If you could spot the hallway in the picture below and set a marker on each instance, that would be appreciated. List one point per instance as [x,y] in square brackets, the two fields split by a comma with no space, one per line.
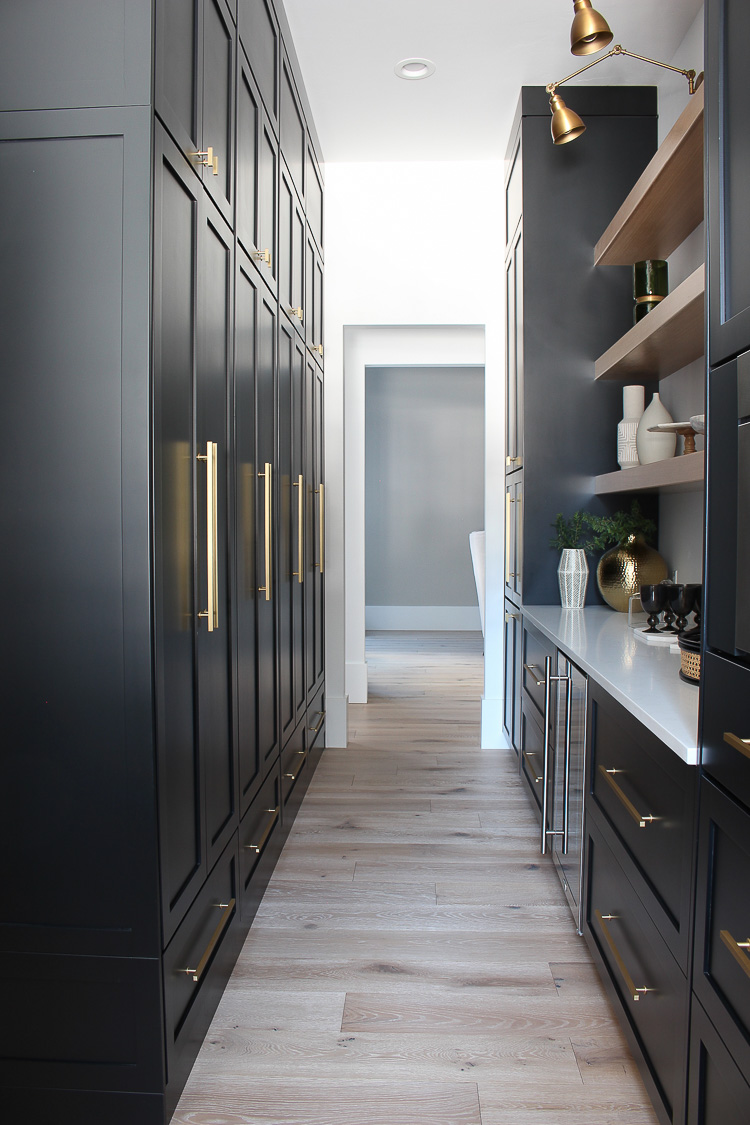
[414,960]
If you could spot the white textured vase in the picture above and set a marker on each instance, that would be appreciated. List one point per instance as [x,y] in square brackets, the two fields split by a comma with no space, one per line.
[632,409]
[654,447]
[572,574]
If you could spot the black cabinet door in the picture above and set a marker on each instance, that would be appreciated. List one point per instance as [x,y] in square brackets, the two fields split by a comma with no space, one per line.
[514,354]
[266,535]
[219,46]
[314,533]
[718,1088]
[728,150]
[245,469]
[314,300]
[314,197]
[257,173]
[259,35]
[512,699]
[291,253]
[292,127]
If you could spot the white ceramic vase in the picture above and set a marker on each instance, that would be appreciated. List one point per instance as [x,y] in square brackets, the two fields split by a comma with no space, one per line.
[632,409]
[572,574]
[654,447]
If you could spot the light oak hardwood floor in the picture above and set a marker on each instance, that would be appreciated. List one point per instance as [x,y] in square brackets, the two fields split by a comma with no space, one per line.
[414,961]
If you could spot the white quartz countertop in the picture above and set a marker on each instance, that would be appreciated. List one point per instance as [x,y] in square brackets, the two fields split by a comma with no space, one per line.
[643,678]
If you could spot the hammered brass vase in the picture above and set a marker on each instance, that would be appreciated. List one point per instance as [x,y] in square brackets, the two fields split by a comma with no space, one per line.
[623,569]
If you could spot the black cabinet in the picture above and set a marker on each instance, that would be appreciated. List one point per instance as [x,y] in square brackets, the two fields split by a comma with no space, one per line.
[257,177]
[291,253]
[259,33]
[728,203]
[512,696]
[719,1092]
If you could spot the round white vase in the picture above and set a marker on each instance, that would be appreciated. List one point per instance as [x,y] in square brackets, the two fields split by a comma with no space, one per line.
[632,409]
[654,447]
[572,574]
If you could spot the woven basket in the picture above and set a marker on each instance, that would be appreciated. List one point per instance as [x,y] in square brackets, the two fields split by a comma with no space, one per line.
[690,656]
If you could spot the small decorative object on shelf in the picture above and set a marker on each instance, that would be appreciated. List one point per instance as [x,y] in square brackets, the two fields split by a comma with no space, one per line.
[650,286]
[653,600]
[632,406]
[690,655]
[654,446]
[630,563]
[684,429]
[573,571]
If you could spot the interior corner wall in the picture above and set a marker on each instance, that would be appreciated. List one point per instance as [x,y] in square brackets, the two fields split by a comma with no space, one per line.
[418,245]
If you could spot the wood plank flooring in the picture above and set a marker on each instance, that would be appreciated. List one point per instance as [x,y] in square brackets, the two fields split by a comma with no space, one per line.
[413,961]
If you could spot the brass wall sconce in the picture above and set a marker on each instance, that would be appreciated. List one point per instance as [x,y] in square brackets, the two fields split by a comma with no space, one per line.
[590,33]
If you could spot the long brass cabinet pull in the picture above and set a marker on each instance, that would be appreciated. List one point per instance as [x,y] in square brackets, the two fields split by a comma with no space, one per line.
[314,730]
[737,743]
[299,484]
[641,819]
[227,909]
[531,669]
[212,534]
[294,776]
[602,919]
[258,848]
[738,950]
[267,474]
[537,776]
[320,492]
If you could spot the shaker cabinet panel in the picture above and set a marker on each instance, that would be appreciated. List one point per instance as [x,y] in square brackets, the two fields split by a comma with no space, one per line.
[291,254]
[292,130]
[219,46]
[514,356]
[718,1089]
[315,532]
[512,696]
[266,534]
[257,178]
[725,754]
[259,35]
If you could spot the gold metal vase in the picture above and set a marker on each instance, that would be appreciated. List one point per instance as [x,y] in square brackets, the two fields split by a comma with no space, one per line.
[623,569]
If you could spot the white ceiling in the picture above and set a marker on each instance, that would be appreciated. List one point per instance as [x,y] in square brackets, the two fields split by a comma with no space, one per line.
[484,51]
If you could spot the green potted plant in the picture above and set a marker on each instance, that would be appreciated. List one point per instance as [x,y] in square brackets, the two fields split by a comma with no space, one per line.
[573,572]
[628,561]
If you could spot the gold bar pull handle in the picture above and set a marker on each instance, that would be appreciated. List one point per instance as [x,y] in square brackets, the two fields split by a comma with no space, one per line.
[268,494]
[258,848]
[212,534]
[737,743]
[635,992]
[737,949]
[531,669]
[299,484]
[641,819]
[293,776]
[227,909]
[535,774]
[320,492]
[314,730]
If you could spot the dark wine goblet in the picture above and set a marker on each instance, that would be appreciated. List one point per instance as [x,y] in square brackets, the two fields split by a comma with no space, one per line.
[683,600]
[653,600]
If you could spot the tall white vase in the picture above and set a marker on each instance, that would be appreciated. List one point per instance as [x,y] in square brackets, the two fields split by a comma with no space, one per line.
[572,574]
[654,447]
[632,409]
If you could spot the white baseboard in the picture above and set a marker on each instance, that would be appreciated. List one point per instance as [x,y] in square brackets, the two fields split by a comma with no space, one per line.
[493,737]
[356,682]
[427,618]
[337,731]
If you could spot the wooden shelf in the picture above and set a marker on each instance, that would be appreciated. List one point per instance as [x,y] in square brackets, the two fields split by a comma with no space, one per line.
[676,474]
[666,340]
[666,203]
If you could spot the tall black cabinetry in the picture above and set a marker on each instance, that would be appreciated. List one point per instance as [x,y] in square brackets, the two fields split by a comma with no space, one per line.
[560,316]
[157,406]
[719,1089]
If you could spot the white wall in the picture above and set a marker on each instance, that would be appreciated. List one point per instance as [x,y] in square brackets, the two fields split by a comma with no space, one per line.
[421,245]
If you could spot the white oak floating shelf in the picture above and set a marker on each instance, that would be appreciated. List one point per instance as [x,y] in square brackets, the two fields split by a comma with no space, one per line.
[675,474]
[669,338]
[666,203]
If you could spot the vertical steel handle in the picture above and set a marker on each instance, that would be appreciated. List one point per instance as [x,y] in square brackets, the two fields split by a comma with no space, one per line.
[545,767]
[299,484]
[566,782]
[268,495]
[212,534]
[321,525]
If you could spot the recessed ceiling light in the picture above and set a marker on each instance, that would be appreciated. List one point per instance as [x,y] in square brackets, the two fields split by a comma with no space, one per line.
[414,69]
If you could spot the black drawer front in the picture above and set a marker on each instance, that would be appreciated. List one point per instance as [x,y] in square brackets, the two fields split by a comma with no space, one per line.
[316,720]
[719,1095]
[259,825]
[536,649]
[648,981]
[293,761]
[532,752]
[647,795]
[726,725]
[722,931]
[197,963]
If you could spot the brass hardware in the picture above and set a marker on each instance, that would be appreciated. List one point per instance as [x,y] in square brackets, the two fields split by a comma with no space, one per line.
[314,730]
[258,848]
[299,313]
[737,743]
[294,776]
[268,496]
[208,160]
[320,491]
[227,908]
[530,669]
[512,460]
[263,256]
[641,819]
[737,949]
[212,534]
[636,993]
[511,617]
[649,299]
[528,755]
[316,348]
[299,485]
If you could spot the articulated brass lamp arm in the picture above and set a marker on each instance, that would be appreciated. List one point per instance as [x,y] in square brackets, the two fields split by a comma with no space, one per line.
[693,83]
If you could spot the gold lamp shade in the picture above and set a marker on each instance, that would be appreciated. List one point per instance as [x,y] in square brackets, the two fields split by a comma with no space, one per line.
[566,125]
[590,31]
